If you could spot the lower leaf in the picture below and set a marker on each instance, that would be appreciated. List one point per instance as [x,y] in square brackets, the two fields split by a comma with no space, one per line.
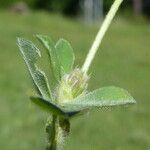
[106,96]
[52,108]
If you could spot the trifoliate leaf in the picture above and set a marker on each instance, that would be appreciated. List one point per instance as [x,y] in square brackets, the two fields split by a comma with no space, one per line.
[106,96]
[65,56]
[31,54]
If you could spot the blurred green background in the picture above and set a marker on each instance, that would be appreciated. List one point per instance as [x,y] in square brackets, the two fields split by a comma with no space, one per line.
[123,60]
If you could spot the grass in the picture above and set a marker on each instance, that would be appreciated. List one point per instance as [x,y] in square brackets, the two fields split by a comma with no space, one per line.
[124,60]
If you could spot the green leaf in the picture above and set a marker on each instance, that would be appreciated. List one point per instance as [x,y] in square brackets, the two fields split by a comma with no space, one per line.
[65,56]
[48,106]
[106,96]
[52,108]
[50,46]
[31,54]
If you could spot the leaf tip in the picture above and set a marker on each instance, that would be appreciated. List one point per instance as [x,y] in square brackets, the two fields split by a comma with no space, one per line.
[18,40]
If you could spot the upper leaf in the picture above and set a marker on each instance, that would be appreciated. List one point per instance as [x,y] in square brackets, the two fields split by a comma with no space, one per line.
[31,54]
[106,96]
[61,55]
[65,56]
[50,46]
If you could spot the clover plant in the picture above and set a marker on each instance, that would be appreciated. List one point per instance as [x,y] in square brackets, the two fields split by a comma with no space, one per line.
[69,97]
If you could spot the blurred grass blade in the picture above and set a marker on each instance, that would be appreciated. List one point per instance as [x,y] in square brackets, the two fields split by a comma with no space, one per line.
[106,96]
[31,54]
[52,108]
[65,56]
[50,46]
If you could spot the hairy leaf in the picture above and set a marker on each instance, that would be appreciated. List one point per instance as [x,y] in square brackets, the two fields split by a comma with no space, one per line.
[31,54]
[106,96]
[50,46]
[48,106]
[65,56]
[52,108]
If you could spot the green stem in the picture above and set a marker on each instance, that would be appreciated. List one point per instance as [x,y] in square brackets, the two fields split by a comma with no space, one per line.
[54,132]
[100,35]
[57,130]
[51,129]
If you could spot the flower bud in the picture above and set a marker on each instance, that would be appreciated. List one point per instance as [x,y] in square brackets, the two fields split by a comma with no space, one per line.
[72,85]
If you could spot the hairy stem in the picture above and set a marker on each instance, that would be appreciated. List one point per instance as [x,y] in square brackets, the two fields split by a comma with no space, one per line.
[51,129]
[100,35]
[57,131]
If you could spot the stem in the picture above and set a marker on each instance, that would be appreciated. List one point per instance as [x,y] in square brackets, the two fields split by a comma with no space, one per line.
[51,129]
[54,130]
[100,35]
[57,130]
